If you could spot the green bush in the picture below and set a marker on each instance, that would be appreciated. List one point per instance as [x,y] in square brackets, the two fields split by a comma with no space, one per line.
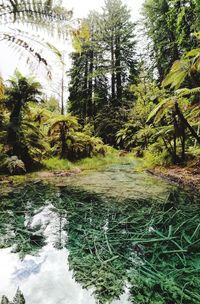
[138,152]
[55,163]
[13,165]
[155,155]
[81,145]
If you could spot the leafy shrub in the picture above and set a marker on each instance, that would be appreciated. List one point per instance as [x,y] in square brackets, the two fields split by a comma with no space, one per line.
[81,145]
[138,152]
[156,155]
[15,165]
[3,157]
[194,151]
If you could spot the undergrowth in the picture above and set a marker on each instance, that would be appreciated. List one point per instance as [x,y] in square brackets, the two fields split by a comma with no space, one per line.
[89,163]
[54,163]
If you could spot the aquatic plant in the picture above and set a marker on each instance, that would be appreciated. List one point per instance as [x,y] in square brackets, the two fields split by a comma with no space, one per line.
[153,244]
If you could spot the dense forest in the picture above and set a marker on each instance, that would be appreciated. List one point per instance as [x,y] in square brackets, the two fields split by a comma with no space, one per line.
[140,96]
[100,159]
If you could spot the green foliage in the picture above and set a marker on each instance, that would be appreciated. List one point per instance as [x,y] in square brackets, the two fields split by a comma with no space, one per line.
[153,252]
[55,163]
[187,66]
[170,24]
[97,162]
[20,92]
[151,243]
[19,298]
[15,165]
[156,155]
[31,132]
[103,69]
[81,145]
[112,104]
[136,132]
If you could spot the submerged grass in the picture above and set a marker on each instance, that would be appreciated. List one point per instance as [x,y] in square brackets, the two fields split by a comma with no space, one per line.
[154,245]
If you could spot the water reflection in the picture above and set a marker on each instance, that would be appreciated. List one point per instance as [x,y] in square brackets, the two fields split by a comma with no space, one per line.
[70,238]
[44,278]
[51,283]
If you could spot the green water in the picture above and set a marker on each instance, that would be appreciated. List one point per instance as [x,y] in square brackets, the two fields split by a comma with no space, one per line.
[113,236]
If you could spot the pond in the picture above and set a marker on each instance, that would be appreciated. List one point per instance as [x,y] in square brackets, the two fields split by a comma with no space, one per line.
[112,236]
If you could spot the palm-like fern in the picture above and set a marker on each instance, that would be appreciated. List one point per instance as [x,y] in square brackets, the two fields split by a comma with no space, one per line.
[60,128]
[187,66]
[35,15]
[20,92]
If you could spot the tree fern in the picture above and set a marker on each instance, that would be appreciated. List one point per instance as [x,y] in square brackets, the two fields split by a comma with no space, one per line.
[185,67]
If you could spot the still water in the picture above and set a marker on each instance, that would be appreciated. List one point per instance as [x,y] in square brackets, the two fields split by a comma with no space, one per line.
[113,236]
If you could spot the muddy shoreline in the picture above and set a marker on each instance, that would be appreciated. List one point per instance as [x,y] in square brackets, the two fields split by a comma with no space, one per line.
[182,176]
[185,177]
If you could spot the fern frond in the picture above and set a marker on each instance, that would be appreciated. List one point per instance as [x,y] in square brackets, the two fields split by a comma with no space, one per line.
[187,92]
[180,69]
[159,109]
[18,43]
[56,52]
[32,11]
[193,53]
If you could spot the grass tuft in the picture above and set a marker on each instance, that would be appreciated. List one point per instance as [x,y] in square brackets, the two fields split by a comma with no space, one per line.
[55,163]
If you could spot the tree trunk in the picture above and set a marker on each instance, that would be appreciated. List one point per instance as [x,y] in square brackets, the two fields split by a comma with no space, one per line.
[14,125]
[63,153]
[186,123]
[90,85]
[183,143]
[18,148]
[175,137]
[166,146]
[85,111]
[118,71]
[113,73]
[62,94]
[198,132]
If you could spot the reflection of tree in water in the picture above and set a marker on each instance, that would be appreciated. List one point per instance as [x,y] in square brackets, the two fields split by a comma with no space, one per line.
[60,236]
[15,208]
[16,213]
[18,299]
[152,245]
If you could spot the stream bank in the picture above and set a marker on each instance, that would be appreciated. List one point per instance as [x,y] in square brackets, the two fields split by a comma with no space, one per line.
[186,177]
